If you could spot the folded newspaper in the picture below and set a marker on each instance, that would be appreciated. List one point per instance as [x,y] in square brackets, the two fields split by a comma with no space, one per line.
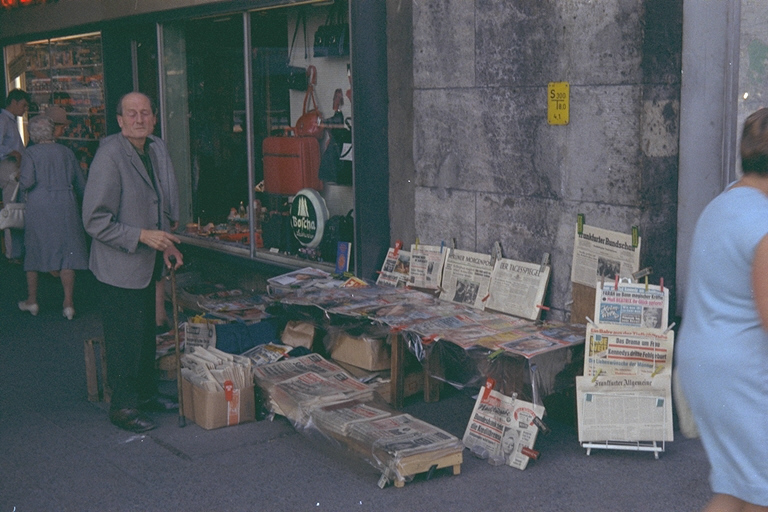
[503,429]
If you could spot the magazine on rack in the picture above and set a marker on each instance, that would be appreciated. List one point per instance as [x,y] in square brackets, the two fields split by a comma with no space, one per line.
[624,409]
[631,305]
[517,288]
[502,428]
[627,351]
[599,254]
[394,271]
[466,278]
[426,266]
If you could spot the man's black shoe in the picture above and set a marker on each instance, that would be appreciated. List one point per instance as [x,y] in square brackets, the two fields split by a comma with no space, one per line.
[158,404]
[131,420]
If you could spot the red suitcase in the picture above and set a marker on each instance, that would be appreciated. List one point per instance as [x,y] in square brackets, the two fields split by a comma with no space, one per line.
[291,164]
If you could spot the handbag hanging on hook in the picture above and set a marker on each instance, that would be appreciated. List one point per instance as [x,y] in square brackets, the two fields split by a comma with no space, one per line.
[332,38]
[297,75]
[310,122]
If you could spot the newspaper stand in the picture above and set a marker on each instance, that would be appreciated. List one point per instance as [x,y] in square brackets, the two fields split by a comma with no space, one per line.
[614,340]
[656,447]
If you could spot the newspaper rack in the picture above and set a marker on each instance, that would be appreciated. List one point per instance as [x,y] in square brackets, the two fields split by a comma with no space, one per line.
[655,447]
[636,446]
[624,398]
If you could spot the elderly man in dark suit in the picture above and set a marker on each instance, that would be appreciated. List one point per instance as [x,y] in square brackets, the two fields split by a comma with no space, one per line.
[125,211]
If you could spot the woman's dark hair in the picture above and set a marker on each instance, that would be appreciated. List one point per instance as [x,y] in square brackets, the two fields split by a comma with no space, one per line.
[754,143]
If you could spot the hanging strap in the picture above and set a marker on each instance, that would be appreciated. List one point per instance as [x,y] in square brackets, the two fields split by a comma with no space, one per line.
[310,94]
[301,18]
[15,193]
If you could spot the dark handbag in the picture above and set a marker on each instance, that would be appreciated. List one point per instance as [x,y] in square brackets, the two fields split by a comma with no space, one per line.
[332,38]
[297,75]
[311,120]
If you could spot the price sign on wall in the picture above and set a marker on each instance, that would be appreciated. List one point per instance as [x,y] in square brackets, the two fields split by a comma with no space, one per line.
[558,102]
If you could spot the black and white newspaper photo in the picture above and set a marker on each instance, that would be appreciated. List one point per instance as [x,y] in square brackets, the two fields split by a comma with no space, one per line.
[602,255]
[627,351]
[502,428]
[395,269]
[466,278]
[624,409]
[426,266]
[517,288]
[632,305]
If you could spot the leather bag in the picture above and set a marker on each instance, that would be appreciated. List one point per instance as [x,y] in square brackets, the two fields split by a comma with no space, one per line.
[12,214]
[332,38]
[297,75]
[311,120]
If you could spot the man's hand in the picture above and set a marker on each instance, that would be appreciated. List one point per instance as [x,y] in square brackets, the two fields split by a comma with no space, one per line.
[173,252]
[158,240]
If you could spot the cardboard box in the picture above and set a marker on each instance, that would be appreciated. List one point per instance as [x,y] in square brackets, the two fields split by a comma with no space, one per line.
[187,400]
[412,383]
[364,352]
[210,409]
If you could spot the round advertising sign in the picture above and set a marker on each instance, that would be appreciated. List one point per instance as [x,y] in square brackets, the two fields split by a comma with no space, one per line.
[308,217]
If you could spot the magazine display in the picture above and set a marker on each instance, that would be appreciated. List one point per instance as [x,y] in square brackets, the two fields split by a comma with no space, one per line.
[632,305]
[627,351]
[502,429]
[466,278]
[624,409]
[394,271]
[599,254]
[426,267]
[302,279]
[517,288]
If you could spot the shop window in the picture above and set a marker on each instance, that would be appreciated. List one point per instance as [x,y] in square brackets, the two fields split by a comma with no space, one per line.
[229,117]
[67,72]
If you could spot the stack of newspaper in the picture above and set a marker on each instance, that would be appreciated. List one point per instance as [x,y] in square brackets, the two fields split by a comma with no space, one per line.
[210,368]
[402,445]
[318,395]
[291,387]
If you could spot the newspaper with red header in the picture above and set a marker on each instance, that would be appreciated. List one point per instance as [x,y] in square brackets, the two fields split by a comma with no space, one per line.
[503,429]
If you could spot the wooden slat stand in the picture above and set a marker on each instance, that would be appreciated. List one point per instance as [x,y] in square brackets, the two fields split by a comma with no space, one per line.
[95,392]
[408,468]
[583,303]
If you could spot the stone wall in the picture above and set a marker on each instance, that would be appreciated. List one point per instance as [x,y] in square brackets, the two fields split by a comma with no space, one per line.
[485,164]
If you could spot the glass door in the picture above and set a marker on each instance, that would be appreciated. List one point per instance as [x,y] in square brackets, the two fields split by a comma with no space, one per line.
[67,72]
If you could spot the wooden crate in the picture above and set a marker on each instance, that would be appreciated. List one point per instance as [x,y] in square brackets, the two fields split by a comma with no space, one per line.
[96,393]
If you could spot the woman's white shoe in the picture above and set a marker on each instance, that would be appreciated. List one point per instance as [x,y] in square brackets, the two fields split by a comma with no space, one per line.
[69,313]
[34,309]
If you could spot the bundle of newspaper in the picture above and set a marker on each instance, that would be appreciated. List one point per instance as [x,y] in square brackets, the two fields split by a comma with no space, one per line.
[337,418]
[400,443]
[297,396]
[292,386]
[209,368]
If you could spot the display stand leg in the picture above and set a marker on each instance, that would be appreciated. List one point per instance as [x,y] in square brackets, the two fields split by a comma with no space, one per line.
[634,446]
[433,367]
[397,374]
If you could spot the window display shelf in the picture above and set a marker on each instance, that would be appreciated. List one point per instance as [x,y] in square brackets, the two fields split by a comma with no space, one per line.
[68,72]
[262,255]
